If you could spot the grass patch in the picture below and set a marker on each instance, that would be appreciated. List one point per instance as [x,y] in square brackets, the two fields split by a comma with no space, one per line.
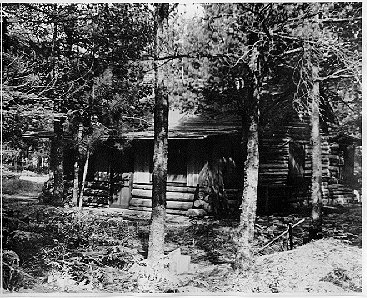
[17,186]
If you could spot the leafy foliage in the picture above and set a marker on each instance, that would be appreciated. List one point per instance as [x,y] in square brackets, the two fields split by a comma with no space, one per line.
[80,59]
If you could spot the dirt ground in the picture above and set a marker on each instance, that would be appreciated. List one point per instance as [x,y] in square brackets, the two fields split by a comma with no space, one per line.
[102,251]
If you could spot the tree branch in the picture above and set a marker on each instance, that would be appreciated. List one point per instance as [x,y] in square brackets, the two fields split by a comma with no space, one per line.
[337,75]
[297,50]
[334,77]
[331,20]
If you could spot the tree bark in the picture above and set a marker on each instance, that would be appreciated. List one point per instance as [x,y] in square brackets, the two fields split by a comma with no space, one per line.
[316,195]
[245,232]
[57,158]
[85,171]
[157,227]
[76,165]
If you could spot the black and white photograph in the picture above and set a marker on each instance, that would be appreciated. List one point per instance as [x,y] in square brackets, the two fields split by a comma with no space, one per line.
[181,148]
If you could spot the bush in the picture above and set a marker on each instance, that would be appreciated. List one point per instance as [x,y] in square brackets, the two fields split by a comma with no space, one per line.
[25,244]
[13,276]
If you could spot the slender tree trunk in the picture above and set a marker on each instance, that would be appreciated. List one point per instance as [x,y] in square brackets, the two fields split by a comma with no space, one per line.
[57,154]
[54,38]
[75,183]
[76,165]
[316,227]
[85,171]
[157,227]
[244,257]
[57,158]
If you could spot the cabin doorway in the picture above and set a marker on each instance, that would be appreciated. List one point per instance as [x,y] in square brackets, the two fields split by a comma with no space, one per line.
[121,190]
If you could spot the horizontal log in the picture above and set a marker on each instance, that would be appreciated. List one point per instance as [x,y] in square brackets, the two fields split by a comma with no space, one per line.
[233,203]
[168,211]
[266,156]
[140,202]
[273,171]
[308,172]
[336,185]
[338,191]
[282,174]
[189,189]
[170,196]
[274,165]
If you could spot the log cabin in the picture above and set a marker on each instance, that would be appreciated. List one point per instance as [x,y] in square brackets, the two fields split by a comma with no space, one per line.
[205,168]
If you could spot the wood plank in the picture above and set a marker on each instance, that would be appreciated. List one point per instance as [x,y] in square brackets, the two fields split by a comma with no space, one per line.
[140,202]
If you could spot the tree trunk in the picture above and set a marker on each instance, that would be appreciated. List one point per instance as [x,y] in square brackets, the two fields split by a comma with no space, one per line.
[245,232]
[57,154]
[75,183]
[157,227]
[76,166]
[316,226]
[57,157]
[85,171]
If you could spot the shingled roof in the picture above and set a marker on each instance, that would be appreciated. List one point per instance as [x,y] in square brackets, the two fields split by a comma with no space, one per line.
[184,126]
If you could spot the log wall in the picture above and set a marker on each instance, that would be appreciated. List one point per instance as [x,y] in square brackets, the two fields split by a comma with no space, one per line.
[275,188]
[179,198]
[274,157]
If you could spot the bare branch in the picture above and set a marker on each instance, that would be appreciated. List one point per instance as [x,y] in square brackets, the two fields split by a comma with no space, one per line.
[334,77]
[331,20]
[297,50]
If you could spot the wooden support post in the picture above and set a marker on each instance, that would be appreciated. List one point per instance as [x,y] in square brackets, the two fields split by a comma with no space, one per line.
[290,236]
[111,184]
[267,200]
